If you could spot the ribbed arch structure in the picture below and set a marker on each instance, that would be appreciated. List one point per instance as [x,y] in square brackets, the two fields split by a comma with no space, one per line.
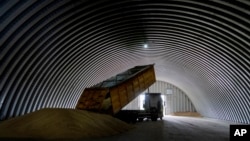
[174,101]
[51,50]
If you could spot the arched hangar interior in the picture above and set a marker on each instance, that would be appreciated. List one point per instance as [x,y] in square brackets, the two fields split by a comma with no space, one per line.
[51,50]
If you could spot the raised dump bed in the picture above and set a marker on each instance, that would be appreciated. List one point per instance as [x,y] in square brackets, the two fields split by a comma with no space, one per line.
[111,95]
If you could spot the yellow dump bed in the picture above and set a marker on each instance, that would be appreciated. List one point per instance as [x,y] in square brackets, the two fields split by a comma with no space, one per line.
[111,95]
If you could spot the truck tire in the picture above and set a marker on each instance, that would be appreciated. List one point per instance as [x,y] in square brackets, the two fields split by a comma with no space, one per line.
[161,117]
[154,118]
[140,119]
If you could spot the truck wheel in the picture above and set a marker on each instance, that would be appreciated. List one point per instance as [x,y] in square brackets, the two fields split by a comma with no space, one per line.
[140,119]
[133,120]
[154,119]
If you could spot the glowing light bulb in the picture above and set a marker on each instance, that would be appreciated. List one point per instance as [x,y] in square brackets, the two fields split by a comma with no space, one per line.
[145,45]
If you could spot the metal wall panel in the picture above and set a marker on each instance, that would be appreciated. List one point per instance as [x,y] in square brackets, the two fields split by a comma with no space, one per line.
[178,101]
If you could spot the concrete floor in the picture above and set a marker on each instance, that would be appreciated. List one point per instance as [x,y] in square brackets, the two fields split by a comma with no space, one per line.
[173,128]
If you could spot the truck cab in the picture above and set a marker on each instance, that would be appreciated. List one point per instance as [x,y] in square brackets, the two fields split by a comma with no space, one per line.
[153,105]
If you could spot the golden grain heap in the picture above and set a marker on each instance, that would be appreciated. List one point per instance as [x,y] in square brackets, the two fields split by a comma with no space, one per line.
[62,123]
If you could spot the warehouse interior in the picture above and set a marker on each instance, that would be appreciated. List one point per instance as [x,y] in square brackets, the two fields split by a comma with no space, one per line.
[52,50]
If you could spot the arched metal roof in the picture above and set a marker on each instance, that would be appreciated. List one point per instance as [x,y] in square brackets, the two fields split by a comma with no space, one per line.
[51,50]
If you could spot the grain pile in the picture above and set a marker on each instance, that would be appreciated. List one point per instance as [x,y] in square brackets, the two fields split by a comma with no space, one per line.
[62,123]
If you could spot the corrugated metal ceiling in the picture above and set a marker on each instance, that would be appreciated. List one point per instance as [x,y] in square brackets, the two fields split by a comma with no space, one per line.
[51,50]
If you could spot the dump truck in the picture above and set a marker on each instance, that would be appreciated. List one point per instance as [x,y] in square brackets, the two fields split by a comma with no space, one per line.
[112,94]
[153,109]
